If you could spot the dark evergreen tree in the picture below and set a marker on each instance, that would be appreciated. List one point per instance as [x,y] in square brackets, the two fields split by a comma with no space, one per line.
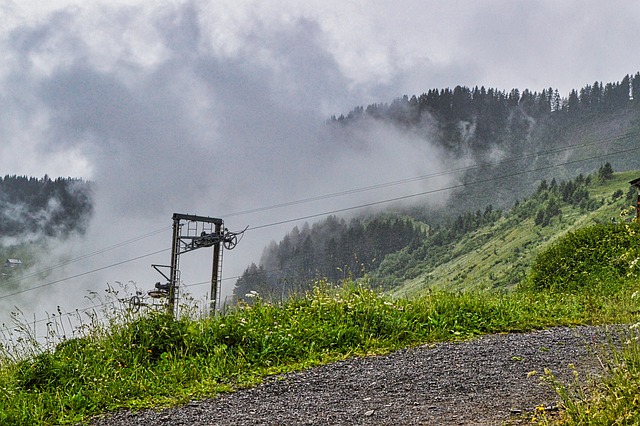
[52,208]
[605,172]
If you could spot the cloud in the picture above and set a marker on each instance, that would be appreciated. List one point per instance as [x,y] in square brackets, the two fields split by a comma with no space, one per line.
[213,108]
[190,128]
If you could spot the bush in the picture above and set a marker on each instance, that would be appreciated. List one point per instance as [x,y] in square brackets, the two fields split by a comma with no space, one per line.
[587,257]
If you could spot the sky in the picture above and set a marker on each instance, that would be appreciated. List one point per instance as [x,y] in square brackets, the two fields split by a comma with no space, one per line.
[218,108]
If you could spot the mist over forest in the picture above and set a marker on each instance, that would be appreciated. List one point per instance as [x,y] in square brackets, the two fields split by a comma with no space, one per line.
[34,208]
[506,141]
[514,140]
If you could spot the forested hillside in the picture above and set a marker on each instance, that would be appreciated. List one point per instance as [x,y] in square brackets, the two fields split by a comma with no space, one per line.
[498,254]
[533,153]
[513,137]
[43,206]
[331,249]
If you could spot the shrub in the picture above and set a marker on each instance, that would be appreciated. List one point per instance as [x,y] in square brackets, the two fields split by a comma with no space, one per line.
[586,257]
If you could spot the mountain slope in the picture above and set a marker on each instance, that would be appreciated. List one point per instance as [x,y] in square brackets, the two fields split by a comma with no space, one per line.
[513,142]
[498,255]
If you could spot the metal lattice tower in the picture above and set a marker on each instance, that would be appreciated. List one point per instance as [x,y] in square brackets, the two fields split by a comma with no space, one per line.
[199,232]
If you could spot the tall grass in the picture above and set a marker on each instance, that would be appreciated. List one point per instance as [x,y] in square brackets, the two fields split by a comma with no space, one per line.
[601,265]
[154,360]
[613,399]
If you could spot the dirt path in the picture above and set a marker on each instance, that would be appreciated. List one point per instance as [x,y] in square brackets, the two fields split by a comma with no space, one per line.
[487,381]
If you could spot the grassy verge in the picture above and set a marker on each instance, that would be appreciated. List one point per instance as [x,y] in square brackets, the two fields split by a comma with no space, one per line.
[613,399]
[153,360]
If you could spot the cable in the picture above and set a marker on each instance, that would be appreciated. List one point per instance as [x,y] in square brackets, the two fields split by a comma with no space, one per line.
[421,194]
[81,274]
[336,194]
[433,191]
[86,256]
[428,176]
[390,200]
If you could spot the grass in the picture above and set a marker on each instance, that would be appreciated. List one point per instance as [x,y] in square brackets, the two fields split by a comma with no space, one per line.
[501,253]
[612,400]
[146,360]
[153,360]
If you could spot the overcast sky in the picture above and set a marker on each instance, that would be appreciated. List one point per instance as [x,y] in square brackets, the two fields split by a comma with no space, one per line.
[215,107]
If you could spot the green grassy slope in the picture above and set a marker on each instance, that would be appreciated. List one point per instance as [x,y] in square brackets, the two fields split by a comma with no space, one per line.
[497,255]
[146,360]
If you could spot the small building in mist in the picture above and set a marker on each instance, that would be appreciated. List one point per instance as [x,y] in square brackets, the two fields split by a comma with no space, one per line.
[13,263]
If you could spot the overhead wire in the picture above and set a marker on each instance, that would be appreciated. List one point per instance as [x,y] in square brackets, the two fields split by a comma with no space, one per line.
[87,255]
[448,188]
[15,293]
[360,206]
[431,175]
[390,200]
[433,191]
[342,193]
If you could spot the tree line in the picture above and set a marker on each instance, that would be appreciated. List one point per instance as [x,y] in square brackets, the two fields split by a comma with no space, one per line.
[332,249]
[45,206]
[477,120]
[493,106]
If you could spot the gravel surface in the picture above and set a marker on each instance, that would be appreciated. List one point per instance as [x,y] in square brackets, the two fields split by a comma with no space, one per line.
[486,381]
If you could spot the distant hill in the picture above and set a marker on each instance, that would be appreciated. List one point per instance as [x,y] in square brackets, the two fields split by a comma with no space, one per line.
[516,135]
[518,142]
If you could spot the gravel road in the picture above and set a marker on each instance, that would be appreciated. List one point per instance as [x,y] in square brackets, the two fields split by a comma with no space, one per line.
[485,381]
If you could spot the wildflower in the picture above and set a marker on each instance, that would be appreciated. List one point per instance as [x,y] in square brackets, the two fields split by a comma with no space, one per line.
[251,294]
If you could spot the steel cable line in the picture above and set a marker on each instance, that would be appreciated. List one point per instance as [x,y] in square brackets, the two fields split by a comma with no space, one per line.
[374,203]
[433,191]
[432,175]
[337,194]
[87,255]
[82,274]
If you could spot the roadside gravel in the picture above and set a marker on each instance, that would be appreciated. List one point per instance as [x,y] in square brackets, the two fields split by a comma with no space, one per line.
[486,381]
